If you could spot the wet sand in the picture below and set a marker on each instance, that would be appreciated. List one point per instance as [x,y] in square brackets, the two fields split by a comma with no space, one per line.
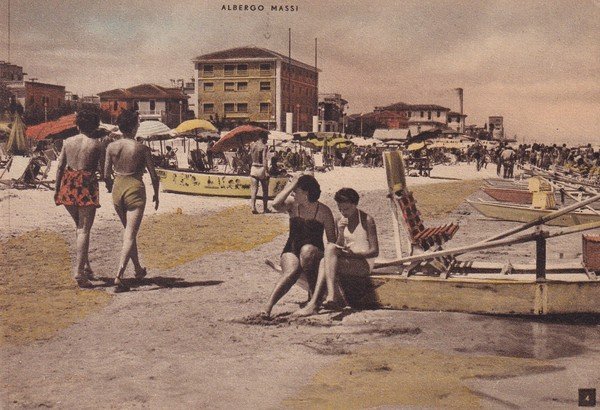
[188,335]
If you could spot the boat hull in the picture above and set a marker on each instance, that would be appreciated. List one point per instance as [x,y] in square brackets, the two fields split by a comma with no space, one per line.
[508,212]
[213,184]
[487,296]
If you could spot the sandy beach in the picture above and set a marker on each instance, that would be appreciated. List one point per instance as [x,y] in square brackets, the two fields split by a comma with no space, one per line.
[188,335]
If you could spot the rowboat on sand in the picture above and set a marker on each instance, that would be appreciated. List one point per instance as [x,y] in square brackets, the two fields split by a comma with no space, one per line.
[521,213]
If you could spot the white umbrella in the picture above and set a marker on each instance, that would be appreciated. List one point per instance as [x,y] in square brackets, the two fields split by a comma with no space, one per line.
[280,136]
[152,129]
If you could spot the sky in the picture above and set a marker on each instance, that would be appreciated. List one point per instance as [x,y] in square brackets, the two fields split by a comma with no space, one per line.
[536,63]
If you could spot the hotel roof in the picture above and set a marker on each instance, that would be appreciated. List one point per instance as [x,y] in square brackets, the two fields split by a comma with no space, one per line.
[248,53]
[144,91]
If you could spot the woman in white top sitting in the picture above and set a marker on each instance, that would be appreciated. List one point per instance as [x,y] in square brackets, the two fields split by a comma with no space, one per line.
[353,253]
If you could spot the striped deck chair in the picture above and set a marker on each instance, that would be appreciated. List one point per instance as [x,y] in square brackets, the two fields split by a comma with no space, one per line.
[407,216]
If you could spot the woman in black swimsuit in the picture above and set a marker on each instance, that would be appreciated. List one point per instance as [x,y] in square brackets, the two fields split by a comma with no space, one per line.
[309,219]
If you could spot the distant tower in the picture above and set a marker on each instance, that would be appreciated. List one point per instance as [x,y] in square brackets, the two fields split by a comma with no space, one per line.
[460,100]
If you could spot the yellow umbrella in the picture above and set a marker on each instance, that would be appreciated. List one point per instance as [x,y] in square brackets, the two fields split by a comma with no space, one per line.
[191,126]
[416,146]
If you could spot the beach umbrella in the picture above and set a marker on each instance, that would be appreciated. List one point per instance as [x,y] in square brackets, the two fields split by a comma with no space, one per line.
[155,129]
[195,126]
[16,140]
[239,136]
[63,127]
[416,146]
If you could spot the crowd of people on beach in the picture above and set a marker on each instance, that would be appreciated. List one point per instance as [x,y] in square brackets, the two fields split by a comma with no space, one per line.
[321,253]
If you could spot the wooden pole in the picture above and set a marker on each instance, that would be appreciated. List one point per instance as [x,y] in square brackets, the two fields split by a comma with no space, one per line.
[488,245]
[540,257]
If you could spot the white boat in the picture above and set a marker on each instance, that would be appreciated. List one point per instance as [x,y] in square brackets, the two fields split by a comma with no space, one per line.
[520,213]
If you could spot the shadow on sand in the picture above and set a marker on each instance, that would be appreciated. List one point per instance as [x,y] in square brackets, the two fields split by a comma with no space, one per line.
[157,282]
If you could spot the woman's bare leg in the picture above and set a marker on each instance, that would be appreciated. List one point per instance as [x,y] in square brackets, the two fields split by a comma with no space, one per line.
[84,219]
[312,306]
[331,262]
[133,221]
[291,271]
[134,250]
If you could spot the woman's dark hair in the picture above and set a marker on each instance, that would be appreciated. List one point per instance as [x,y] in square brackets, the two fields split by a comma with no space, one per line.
[128,120]
[347,195]
[87,121]
[309,184]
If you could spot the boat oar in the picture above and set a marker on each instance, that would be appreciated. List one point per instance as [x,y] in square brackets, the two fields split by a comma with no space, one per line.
[541,220]
[488,245]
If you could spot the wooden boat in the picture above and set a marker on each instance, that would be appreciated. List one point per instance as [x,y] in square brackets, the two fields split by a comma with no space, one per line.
[520,213]
[213,184]
[517,196]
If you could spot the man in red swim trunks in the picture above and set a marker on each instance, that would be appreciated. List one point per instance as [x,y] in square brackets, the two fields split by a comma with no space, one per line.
[77,187]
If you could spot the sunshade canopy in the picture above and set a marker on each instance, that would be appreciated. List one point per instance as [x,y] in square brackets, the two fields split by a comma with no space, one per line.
[61,128]
[195,126]
[239,136]
[154,129]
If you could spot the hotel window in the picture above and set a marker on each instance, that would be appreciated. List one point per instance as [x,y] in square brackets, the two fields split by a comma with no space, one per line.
[422,114]
[115,106]
[265,86]
[242,86]
[152,105]
[242,69]
[265,69]
[208,107]
[209,86]
[229,107]
[229,69]
[428,115]
[229,87]
[264,107]
[438,113]
[409,114]
[242,107]
[208,70]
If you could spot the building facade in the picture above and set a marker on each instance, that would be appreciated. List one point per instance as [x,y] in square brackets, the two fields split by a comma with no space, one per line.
[153,102]
[251,84]
[331,112]
[456,121]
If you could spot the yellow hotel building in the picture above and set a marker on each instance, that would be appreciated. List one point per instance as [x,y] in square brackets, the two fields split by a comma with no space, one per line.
[252,84]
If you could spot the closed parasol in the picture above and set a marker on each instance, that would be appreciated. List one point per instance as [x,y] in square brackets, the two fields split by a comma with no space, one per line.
[239,136]
[195,126]
[16,141]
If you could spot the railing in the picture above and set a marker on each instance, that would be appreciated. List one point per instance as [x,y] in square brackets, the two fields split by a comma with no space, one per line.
[151,113]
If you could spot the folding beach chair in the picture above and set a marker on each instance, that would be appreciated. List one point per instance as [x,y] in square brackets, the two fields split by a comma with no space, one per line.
[408,218]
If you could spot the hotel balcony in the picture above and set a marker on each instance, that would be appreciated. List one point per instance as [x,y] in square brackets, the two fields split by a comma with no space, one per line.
[151,114]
